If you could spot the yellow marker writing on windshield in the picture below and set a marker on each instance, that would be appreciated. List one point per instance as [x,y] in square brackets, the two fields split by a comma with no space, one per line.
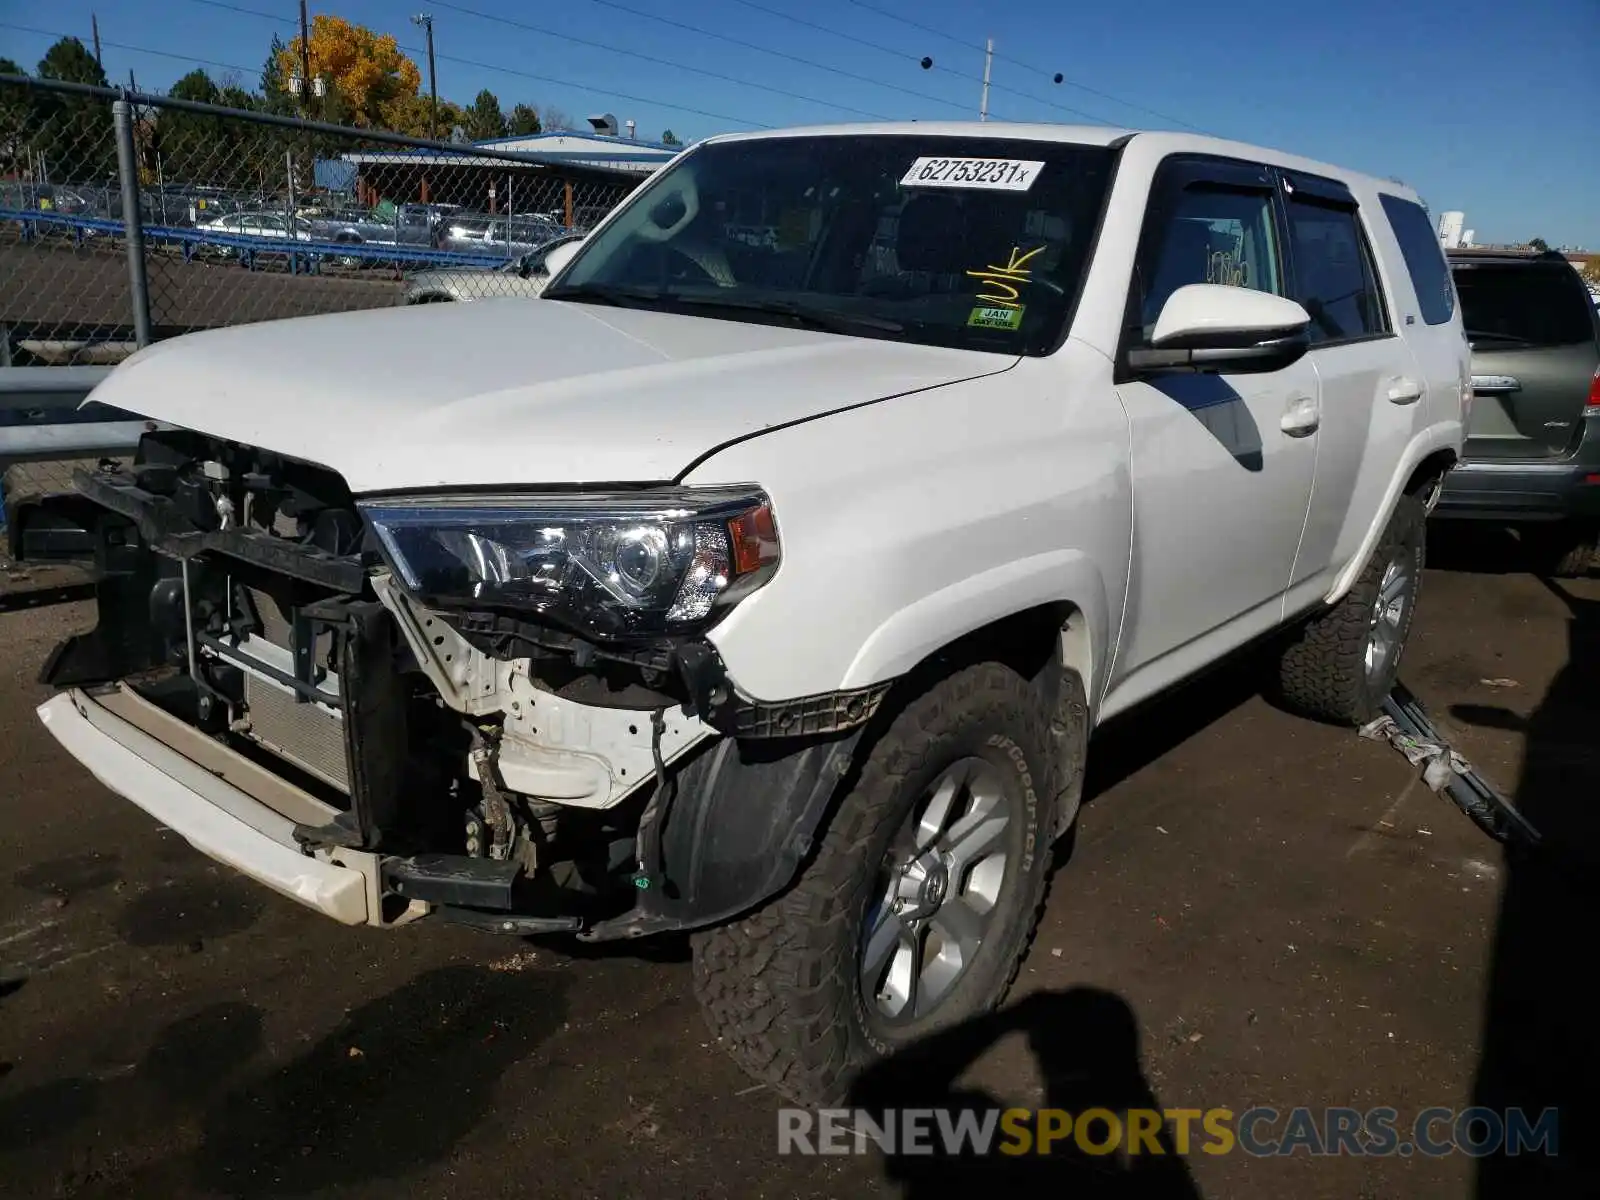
[1001,282]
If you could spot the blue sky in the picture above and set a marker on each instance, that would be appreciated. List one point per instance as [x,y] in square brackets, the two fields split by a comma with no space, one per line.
[1407,88]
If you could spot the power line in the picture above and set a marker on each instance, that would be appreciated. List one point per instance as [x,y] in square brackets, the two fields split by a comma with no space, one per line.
[849,37]
[203,62]
[794,58]
[900,54]
[663,62]
[482,66]
[1055,76]
[594,91]
[683,25]
[466,62]
[249,12]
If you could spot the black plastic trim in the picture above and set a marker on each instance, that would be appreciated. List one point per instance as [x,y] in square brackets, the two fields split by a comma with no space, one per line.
[165,529]
[743,821]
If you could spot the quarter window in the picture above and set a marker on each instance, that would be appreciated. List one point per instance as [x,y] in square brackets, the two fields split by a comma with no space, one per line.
[1419,246]
[1334,279]
[1215,236]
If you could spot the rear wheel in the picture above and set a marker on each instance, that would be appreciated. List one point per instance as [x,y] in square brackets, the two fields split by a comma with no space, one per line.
[918,907]
[1344,661]
[347,262]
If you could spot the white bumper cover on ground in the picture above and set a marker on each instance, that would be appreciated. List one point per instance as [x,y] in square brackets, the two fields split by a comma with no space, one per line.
[215,817]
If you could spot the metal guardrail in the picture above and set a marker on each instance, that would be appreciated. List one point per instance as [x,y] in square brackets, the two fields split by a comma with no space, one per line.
[192,239]
[43,416]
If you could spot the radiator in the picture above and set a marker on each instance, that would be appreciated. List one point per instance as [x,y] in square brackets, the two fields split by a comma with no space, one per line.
[305,733]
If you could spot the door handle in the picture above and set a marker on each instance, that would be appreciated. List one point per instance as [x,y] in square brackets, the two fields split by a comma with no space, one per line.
[1404,391]
[1301,417]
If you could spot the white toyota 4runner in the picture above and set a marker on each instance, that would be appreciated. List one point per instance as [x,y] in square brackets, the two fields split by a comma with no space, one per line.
[767,578]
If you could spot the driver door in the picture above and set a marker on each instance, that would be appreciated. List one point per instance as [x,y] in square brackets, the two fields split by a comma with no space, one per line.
[1222,463]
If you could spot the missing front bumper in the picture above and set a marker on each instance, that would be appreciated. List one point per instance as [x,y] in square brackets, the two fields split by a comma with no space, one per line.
[220,802]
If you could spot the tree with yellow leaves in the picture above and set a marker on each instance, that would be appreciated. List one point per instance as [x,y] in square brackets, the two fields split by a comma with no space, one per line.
[371,84]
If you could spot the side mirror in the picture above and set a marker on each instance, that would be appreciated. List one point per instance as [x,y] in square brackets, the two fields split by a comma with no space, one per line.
[559,256]
[1213,327]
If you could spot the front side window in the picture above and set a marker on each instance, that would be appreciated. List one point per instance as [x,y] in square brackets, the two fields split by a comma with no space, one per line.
[1214,235]
[1334,280]
[972,242]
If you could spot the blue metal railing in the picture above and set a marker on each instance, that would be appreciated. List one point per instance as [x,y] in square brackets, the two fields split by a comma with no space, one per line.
[192,239]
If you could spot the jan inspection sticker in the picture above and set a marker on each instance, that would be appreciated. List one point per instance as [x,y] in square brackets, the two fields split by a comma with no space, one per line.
[995,318]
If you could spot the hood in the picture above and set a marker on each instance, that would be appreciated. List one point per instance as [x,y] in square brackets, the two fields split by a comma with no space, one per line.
[507,392]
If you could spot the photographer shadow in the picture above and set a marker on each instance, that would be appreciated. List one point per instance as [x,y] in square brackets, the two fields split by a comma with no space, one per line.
[1540,1046]
[1086,1044]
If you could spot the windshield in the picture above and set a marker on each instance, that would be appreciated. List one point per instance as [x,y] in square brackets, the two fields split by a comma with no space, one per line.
[970,242]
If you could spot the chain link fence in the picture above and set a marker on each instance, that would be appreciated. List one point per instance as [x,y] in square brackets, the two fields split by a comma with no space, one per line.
[126,218]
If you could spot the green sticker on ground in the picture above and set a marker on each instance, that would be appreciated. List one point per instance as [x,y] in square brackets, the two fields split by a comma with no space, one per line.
[995,318]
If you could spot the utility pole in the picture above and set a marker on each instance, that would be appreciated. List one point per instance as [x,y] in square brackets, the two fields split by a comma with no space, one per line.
[988,62]
[94,26]
[305,60]
[425,22]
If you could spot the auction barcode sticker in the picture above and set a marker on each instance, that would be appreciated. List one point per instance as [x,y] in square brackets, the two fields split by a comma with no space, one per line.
[1003,174]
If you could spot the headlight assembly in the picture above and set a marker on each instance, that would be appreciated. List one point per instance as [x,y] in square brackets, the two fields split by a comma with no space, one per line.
[606,565]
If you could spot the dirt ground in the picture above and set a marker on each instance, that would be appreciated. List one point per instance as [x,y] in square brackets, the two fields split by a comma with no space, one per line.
[1257,911]
[53,290]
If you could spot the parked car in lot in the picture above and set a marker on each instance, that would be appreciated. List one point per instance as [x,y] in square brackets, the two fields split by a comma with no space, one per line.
[507,237]
[525,275]
[1533,440]
[271,229]
[412,225]
[769,588]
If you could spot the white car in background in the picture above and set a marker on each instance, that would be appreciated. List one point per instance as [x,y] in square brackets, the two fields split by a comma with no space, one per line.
[270,229]
[525,275]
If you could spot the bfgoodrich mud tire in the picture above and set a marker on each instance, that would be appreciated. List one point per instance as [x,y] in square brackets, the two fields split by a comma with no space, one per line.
[1326,671]
[786,989]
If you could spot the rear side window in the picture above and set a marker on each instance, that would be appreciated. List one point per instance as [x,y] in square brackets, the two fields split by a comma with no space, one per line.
[1334,280]
[1419,246]
[1531,304]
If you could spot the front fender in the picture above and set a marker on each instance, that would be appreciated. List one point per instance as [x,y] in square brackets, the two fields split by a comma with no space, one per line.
[920,629]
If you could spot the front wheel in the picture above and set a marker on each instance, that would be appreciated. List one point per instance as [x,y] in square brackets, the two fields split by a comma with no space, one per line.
[918,906]
[1344,662]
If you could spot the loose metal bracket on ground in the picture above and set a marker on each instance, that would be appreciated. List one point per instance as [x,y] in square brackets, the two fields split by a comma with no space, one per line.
[1406,727]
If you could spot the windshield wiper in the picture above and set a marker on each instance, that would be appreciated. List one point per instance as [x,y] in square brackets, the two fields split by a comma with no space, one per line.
[608,293]
[830,320]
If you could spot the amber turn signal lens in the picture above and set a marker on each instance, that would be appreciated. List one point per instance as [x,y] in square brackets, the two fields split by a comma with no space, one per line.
[753,537]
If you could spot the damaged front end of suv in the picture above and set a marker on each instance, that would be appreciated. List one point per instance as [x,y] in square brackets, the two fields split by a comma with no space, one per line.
[496,708]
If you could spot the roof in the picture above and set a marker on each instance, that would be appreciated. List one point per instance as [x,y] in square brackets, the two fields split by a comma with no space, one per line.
[601,139]
[591,151]
[1508,254]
